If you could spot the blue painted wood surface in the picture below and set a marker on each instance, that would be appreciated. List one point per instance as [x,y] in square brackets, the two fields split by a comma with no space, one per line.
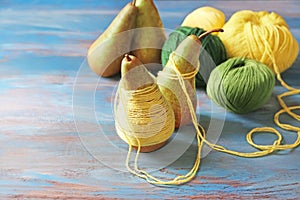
[43,45]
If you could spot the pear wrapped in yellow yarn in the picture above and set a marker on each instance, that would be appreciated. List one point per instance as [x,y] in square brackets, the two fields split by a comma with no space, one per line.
[183,62]
[143,117]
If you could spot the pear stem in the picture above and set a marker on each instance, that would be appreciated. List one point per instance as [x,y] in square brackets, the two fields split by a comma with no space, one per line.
[203,35]
[127,57]
[133,2]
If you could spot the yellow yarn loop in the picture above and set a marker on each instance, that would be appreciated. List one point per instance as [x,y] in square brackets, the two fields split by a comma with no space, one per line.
[156,181]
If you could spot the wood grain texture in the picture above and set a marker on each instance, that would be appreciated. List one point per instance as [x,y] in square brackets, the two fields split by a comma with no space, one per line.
[43,45]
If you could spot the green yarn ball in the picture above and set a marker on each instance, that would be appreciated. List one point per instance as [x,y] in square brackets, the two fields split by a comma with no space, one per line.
[241,85]
[213,55]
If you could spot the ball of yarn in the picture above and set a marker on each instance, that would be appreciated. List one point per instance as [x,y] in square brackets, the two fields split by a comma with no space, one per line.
[212,54]
[205,17]
[261,36]
[241,85]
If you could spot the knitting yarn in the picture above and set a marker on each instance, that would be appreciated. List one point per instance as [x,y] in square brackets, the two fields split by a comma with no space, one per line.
[146,117]
[205,17]
[143,117]
[213,51]
[241,85]
[260,36]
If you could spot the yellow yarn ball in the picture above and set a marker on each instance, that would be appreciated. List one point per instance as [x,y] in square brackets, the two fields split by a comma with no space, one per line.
[261,36]
[205,17]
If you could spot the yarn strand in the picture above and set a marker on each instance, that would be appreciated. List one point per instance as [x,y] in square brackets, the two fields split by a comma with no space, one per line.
[285,109]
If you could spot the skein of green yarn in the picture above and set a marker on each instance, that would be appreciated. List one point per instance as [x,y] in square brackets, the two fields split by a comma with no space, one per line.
[214,54]
[241,85]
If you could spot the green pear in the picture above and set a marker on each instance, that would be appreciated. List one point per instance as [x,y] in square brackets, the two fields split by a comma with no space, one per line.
[106,52]
[147,36]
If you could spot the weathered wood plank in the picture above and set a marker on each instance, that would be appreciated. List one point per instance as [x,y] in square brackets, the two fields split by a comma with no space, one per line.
[42,156]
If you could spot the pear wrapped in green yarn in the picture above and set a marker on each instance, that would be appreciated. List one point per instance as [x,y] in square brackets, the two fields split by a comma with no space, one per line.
[212,54]
[241,85]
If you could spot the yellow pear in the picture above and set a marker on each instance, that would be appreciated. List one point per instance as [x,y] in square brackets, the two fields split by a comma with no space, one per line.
[145,36]
[106,53]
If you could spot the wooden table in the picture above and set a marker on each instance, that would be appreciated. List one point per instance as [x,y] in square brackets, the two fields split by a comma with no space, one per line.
[49,150]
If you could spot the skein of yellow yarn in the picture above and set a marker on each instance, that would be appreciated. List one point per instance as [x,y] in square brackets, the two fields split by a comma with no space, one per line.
[205,17]
[261,36]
